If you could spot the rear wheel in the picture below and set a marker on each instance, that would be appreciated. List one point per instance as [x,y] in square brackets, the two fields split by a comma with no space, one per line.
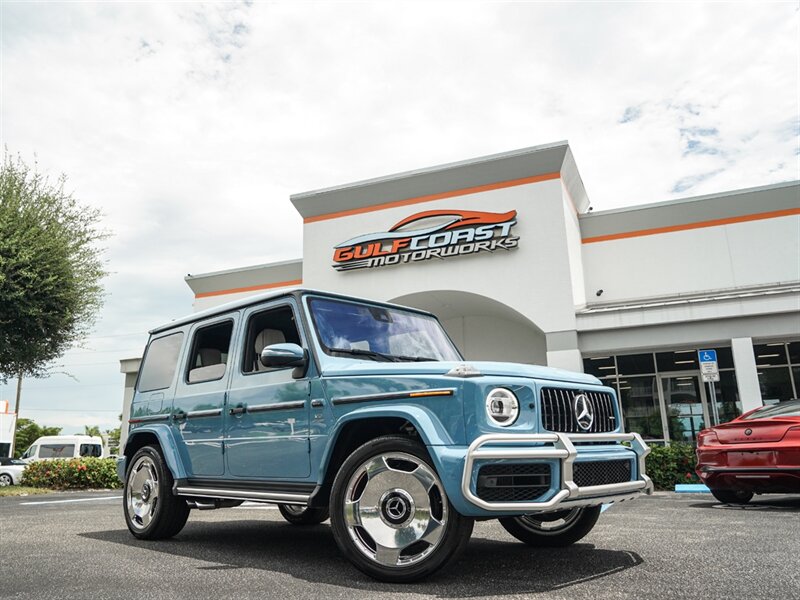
[732,496]
[303,515]
[5,479]
[152,512]
[390,515]
[559,528]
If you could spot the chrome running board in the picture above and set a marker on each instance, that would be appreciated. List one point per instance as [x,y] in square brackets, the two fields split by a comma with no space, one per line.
[253,496]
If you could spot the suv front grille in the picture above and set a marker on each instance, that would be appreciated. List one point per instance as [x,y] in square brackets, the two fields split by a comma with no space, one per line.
[513,482]
[558,411]
[601,472]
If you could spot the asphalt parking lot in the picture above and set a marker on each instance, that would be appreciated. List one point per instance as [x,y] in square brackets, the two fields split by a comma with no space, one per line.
[667,546]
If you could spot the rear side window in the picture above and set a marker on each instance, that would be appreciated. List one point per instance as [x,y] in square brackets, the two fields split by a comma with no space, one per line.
[160,363]
[209,358]
[91,450]
[57,451]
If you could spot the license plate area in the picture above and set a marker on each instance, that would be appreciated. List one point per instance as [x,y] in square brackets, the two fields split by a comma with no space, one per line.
[751,459]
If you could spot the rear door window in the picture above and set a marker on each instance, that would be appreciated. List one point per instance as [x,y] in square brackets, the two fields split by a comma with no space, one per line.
[91,450]
[160,363]
[209,358]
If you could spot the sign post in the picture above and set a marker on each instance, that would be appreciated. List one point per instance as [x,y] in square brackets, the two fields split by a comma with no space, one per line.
[709,370]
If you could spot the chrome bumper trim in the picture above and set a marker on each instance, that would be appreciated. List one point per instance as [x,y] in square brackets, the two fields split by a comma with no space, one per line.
[561,446]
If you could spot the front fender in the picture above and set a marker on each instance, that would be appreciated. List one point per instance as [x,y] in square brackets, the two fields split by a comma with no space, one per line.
[431,430]
[169,449]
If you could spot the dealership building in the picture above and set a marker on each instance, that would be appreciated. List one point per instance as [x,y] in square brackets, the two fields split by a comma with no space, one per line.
[506,250]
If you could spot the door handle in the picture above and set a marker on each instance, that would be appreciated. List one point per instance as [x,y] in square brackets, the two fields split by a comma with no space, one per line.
[239,409]
[178,415]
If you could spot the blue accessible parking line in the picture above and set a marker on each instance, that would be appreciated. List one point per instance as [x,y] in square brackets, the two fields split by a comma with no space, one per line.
[691,488]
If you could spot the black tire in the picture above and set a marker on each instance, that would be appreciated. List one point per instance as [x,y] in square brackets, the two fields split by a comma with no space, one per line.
[152,516]
[303,515]
[555,529]
[732,496]
[6,479]
[429,511]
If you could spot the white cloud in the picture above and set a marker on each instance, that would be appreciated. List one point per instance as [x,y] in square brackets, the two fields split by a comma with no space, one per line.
[190,124]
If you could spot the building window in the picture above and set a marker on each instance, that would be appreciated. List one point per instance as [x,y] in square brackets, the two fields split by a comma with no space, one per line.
[777,365]
[662,395]
[729,405]
[639,399]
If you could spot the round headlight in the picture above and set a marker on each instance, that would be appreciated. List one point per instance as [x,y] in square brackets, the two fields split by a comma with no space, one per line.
[502,407]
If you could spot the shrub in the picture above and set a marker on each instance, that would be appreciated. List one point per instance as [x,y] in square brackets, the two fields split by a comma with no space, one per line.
[668,465]
[72,474]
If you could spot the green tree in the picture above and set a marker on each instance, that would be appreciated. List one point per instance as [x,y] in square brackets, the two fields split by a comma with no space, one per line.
[28,432]
[51,271]
[113,435]
[93,430]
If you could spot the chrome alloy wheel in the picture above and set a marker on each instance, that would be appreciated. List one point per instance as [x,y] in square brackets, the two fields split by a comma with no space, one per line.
[141,494]
[553,523]
[395,509]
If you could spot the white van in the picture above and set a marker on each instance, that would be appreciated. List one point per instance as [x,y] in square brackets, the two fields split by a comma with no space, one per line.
[64,446]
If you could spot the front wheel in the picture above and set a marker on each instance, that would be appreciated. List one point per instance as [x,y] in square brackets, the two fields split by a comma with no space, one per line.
[390,515]
[553,529]
[5,479]
[152,512]
[303,515]
[732,496]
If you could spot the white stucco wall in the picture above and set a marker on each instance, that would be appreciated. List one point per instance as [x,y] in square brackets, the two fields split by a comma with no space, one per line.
[684,262]
[496,338]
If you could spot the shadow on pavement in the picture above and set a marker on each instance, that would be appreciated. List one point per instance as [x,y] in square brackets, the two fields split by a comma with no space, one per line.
[487,567]
[759,503]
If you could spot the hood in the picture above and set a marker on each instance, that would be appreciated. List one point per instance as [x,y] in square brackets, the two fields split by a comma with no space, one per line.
[346,367]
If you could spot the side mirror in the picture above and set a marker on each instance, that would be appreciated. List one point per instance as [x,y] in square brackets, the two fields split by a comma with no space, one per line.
[278,356]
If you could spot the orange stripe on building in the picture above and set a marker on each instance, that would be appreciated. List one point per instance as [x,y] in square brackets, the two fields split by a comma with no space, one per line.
[441,196]
[698,225]
[250,288]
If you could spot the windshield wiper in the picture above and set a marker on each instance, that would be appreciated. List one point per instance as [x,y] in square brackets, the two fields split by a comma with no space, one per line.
[413,358]
[378,356]
[381,357]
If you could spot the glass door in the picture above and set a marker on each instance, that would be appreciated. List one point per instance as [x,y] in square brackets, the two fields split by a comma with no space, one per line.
[684,401]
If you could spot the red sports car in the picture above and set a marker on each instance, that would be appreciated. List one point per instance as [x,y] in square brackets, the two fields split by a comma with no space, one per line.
[757,453]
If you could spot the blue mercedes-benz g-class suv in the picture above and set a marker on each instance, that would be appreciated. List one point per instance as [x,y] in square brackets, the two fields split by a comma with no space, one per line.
[365,412]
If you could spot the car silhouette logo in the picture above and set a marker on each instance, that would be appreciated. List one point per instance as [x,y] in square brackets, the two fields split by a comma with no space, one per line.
[584,411]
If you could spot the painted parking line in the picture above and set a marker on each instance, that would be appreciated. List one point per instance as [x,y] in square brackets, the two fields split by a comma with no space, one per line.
[74,500]
[256,506]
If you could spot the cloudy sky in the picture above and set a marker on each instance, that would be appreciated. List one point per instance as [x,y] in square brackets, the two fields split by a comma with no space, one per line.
[190,124]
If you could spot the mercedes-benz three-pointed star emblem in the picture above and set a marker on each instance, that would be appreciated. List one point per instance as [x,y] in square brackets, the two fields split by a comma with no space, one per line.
[584,411]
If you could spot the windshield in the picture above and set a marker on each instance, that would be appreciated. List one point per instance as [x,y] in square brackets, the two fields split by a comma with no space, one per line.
[789,408]
[369,332]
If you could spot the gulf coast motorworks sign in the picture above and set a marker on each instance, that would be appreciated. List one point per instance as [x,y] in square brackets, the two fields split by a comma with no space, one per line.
[426,235]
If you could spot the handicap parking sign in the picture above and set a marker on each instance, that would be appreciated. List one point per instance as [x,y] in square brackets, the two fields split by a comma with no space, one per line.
[707,356]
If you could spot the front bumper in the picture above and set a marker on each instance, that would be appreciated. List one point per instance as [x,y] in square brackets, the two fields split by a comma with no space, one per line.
[560,447]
